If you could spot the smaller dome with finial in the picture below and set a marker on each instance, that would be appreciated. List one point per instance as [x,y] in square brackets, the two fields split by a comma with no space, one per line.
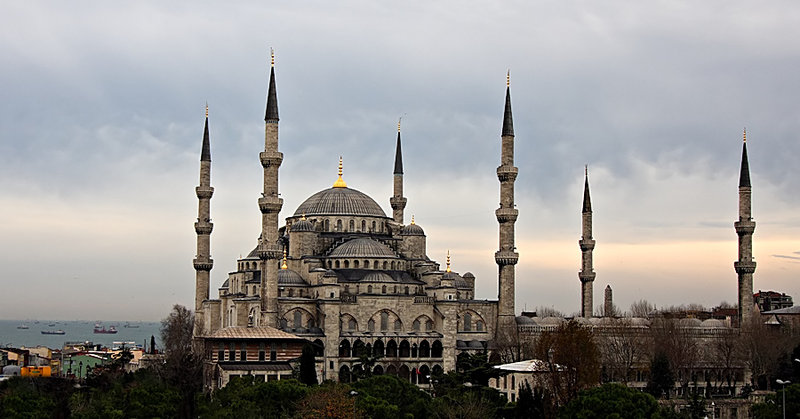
[412,229]
[290,277]
[302,226]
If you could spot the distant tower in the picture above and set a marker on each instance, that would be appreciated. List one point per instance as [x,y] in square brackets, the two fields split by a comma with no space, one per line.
[608,303]
[506,257]
[586,244]
[745,266]
[202,261]
[398,201]
[270,204]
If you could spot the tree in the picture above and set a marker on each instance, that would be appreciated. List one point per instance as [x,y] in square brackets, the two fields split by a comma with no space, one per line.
[573,357]
[533,403]
[623,346]
[661,378]
[182,366]
[330,401]
[308,369]
[610,401]
[642,308]
[386,396]
[246,397]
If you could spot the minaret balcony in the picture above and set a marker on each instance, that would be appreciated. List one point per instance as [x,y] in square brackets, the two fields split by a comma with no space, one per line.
[505,257]
[744,227]
[398,202]
[505,215]
[745,267]
[203,263]
[270,204]
[507,172]
[204,192]
[586,276]
[203,227]
[586,244]
[266,251]
[271,158]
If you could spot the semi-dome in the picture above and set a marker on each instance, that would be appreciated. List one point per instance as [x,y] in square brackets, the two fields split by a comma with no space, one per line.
[340,201]
[290,277]
[377,277]
[362,247]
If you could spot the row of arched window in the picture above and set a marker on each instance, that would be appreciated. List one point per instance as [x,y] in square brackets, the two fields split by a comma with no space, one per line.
[421,375]
[351,226]
[384,289]
[366,264]
[386,323]
[391,349]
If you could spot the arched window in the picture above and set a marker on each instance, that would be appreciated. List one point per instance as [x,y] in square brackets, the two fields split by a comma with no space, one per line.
[398,325]
[298,319]
[467,322]
[392,265]
[352,225]
[384,320]
[327,225]
[369,289]
[351,324]
[406,289]
[373,226]
[355,264]
[391,349]
[346,264]
[415,325]
[436,349]
[479,326]
[383,289]
[338,225]
[337,264]
[429,325]
[377,349]
[424,349]
[291,292]
[385,264]
[344,374]
[363,225]
[366,264]
[405,349]
[359,348]
[371,325]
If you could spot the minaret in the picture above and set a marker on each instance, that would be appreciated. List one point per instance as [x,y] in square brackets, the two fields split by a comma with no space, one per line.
[586,244]
[745,266]
[608,303]
[202,261]
[270,204]
[398,201]
[506,257]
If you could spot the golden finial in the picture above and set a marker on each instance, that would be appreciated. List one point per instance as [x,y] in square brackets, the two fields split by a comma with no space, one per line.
[340,182]
[448,261]
[303,217]
[398,123]
[272,56]
[283,265]
[508,78]
[412,219]
[206,109]
[744,135]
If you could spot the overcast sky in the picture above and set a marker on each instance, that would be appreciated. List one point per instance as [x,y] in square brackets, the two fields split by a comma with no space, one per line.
[102,113]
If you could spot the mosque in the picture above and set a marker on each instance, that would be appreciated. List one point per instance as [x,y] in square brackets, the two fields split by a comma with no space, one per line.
[342,274]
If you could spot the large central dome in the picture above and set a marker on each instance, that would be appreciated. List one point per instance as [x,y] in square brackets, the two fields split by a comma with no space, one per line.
[339,201]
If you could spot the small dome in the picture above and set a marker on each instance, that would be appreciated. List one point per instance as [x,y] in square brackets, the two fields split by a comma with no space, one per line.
[462,284]
[412,230]
[290,277]
[525,320]
[302,226]
[468,275]
[450,276]
[340,201]
[476,344]
[377,277]
[362,247]
[716,323]
[689,322]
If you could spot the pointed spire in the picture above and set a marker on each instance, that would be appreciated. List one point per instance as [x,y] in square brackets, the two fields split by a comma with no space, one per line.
[340,183]
[283,264]
[744,175]
[508,121]
[448,261]
[587,200]
[412,219]
[272,95]
[205,154]
[398,154]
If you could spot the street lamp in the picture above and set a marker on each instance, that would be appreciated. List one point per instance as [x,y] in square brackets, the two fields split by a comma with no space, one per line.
[354,394]
[784,383]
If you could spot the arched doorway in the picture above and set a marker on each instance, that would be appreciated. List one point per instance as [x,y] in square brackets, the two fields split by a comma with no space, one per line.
[344,349]
[344,374]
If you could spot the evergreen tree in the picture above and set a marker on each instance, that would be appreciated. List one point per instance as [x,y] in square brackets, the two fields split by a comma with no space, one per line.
[308,371]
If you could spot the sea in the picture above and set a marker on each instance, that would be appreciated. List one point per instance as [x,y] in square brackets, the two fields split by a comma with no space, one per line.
[129,333]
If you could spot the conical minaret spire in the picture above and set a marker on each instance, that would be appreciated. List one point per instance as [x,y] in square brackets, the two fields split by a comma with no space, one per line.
[270,204]
[398,201]
[745,226]
[202,261]
[506,257]
[586,243]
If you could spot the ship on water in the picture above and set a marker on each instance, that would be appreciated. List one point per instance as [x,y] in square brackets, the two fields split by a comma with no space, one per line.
[102,329]
[23,326]
[54,332]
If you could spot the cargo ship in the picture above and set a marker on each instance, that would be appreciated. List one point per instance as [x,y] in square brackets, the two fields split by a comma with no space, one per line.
[54,332]
[103,330]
